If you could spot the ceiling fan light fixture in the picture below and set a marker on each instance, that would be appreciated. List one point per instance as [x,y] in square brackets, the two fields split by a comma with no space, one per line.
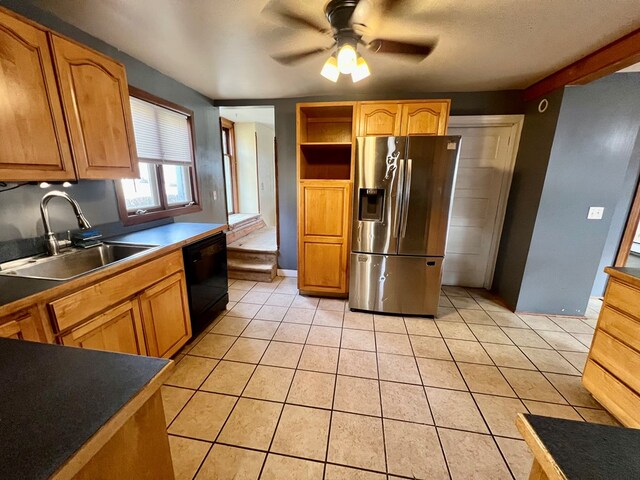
[330,69]
[361,71]
[347,59]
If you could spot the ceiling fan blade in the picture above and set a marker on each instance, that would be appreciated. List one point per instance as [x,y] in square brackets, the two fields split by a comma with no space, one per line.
[419,51]
[293,58]
[293,19]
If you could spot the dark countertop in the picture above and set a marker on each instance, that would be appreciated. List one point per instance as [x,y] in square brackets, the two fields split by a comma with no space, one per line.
[16,288]
[166,234]
[55,398]
[634,272]
[588,451]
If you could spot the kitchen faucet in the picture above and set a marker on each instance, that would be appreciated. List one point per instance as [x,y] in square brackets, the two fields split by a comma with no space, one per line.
[51,242]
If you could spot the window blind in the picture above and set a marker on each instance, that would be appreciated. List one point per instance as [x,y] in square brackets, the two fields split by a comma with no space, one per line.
[162,135]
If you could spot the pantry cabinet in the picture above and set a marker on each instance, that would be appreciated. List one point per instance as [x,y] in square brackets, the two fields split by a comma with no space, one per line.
[324,235]
[65,112]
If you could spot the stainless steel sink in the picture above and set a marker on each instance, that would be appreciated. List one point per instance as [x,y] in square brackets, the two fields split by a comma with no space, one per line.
[72,263]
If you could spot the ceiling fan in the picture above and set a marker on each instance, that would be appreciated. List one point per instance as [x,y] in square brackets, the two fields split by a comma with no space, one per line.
[347,26]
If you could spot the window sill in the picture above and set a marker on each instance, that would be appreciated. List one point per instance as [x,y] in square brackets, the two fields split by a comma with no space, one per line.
[158,215]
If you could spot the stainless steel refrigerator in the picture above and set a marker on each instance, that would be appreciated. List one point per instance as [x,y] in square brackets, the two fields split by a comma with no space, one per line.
[402,200]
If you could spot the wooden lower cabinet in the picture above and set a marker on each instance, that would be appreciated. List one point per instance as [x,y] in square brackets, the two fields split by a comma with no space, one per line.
[323,236]
[144,311]
[611,372]
[24,325]
[165,313]
[117,330]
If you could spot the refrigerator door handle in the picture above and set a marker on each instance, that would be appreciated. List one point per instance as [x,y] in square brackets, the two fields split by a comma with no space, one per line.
[407,195]
[396,216]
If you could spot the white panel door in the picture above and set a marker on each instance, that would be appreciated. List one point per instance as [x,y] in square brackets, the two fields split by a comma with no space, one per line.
[485,163]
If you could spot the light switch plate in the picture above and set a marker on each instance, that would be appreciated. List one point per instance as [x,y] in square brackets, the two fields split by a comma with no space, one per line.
[595,213]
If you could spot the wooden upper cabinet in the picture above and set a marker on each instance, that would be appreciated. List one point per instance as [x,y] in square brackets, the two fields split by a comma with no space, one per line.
[381,119]
[429,118]
[95,96]
[34,143]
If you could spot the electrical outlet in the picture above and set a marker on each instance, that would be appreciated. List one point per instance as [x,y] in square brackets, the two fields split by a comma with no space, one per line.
[595,213]
[215,195]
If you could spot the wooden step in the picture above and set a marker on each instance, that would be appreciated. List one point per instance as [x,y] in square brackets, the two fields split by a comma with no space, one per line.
[250,270]
[244,228]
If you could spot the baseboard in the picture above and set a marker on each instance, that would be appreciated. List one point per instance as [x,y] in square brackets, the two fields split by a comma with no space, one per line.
[287,273]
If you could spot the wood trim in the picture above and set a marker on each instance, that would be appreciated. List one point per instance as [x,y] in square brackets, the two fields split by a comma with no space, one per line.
[633,219]
[91,448]
[164,211]
[541,454]
[228,124]
[275,171]
[617,55]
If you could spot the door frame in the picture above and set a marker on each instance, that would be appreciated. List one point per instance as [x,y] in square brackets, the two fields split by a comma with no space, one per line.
[515,122]
[629,232]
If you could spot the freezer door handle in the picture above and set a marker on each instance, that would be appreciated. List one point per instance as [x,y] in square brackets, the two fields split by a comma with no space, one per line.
[407,196]
[396,215]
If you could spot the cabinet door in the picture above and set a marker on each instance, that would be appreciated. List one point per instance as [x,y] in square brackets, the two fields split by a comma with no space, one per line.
[382,119]
[429,118]
[22,326]
[323,236]
[34,143]
[165,313]
[117,330]
[95,96]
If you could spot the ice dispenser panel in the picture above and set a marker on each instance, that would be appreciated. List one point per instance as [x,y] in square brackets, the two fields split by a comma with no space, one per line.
[371,204]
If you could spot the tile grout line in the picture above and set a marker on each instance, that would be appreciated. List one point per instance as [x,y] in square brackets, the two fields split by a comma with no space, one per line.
[424,391]
[333,398]
[340,348]
[275,430]
[375,345]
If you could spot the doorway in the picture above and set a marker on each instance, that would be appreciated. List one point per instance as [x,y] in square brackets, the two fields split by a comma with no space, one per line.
[249,154]
[248,145]
[487,158]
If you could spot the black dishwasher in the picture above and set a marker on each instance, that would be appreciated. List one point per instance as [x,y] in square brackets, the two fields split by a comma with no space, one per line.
[205,264]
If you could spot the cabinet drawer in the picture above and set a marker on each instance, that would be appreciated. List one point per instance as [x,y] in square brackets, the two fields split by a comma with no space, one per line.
[617,398]
[624,297]
[620,326]
[69,311]
[616,357]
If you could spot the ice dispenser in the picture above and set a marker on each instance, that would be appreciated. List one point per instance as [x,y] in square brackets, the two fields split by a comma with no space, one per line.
[371,204]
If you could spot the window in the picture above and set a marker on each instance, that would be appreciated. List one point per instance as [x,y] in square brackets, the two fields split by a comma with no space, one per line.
[164,140]
[229,157]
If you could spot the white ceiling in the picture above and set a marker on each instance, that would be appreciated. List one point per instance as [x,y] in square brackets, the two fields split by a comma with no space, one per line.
[221,47]
[632,68]
[264,115]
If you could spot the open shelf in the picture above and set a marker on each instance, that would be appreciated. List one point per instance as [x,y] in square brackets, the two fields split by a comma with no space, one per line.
[328,161]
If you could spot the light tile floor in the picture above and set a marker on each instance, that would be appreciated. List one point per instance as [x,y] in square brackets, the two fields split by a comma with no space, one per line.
[289,387]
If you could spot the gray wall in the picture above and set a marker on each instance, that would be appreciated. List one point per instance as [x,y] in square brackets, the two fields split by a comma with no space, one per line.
[475,103]
[587,166]
[19,214]
[618,221]
[524,196]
